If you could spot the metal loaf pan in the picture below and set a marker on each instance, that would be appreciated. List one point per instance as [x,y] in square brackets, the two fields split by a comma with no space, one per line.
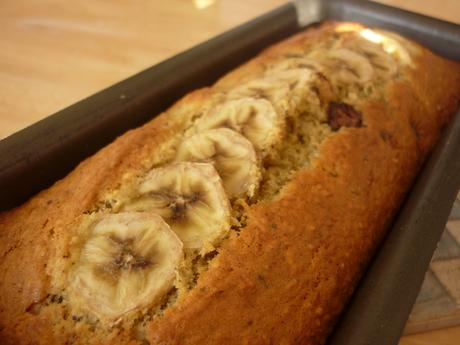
[39,155]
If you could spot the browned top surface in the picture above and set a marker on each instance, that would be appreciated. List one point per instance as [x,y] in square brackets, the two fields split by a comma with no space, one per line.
[293,266]
[106,45]
[287,275]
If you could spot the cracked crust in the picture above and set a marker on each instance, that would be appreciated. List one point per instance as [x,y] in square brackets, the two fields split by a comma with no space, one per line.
[287,275]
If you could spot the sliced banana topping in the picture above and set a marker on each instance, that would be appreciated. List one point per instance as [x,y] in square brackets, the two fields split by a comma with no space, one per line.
[127,262]
[191,199]
[256,119]
[411,47]
[298,79]
[384,64]
[391,44]
[296,63]
[271,88]
[283,87]
[232,155]
[345,66]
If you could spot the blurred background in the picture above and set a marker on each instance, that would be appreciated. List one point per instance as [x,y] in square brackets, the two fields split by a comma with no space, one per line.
[54,53]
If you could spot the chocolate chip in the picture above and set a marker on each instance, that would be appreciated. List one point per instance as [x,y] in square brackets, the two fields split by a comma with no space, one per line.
[301,138]
[57,299]
[343,115]
[76,318]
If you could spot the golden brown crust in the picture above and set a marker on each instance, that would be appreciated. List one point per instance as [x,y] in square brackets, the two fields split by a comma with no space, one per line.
[287,275]
[28,232]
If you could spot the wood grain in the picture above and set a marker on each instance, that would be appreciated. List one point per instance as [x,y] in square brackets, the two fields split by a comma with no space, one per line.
[54,53]
[447,336]
[438,302]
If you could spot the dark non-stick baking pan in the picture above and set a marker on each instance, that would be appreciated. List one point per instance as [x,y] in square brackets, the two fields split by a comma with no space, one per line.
[35,157]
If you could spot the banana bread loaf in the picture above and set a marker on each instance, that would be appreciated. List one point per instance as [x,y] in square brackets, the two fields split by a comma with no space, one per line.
[244,214]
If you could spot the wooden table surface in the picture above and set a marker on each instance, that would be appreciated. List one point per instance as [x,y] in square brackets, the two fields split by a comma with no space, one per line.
[54,53]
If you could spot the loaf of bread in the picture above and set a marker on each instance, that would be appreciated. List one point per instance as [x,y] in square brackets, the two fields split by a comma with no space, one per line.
[244,214]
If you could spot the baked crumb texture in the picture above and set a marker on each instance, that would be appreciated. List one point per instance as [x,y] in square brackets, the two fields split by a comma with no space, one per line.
[349,115]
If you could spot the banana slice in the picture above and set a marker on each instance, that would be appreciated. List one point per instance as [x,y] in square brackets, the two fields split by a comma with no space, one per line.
[312,87]
[127,262]
[345,66]
[385,64]
[256,119]
[191,199]
[296,63]
[232,155]
[271,88]
[284,88]
[390,43]
[296,78]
